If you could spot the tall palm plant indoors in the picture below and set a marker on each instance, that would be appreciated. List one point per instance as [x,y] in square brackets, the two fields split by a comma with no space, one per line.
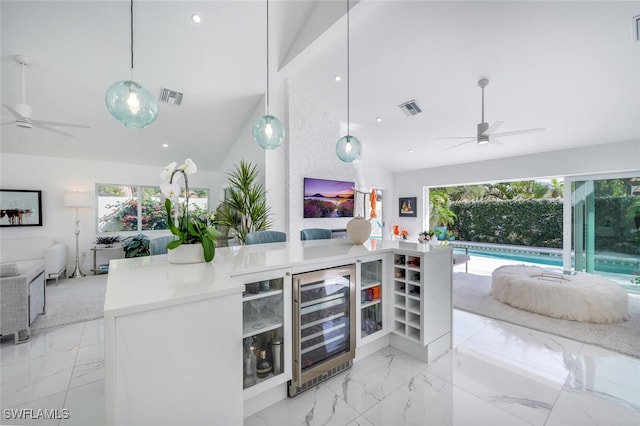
[245,208]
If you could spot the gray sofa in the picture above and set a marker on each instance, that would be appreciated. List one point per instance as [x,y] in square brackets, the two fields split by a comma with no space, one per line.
[22,297]
[18,250]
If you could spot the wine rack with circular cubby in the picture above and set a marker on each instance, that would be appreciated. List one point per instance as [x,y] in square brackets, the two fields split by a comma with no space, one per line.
[407,289]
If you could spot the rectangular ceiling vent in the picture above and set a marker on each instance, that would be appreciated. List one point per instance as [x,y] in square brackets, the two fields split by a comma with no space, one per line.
[170,96]
[410,108]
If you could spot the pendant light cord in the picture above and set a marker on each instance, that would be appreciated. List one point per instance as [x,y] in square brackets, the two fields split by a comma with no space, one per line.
[131,37]
[348,73]
[267,57]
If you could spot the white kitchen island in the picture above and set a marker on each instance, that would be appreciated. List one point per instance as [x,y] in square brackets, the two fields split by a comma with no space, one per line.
[173,333]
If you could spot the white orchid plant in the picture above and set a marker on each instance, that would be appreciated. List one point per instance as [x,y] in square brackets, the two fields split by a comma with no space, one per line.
[190,229]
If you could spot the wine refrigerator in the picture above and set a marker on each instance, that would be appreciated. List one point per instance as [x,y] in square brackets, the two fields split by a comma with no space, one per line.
[323,325]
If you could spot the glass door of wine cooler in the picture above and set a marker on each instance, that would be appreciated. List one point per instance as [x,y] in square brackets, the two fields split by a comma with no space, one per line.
[324,318]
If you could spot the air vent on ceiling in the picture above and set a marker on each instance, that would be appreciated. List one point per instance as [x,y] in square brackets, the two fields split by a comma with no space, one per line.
[170,96]
[636,28]
[410,108]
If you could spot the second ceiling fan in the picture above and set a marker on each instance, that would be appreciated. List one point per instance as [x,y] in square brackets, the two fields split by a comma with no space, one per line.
[487,134]
[22,113]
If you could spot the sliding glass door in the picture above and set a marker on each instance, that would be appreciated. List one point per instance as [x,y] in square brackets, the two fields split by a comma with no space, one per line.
[606,227]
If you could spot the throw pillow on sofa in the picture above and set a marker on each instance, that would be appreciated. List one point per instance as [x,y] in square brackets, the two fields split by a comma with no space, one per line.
[9,270]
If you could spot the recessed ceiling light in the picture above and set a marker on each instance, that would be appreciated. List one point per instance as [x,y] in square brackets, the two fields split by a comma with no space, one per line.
[378,119]
[196,18]
[165,145]
[337,78]
[411,151]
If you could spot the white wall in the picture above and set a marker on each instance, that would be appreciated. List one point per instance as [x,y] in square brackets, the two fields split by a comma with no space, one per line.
[55,176]
[244,148]
[596,159]
[313,134]
[270,163]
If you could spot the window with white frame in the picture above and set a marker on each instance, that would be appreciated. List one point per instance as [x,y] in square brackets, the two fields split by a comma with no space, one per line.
[123,208]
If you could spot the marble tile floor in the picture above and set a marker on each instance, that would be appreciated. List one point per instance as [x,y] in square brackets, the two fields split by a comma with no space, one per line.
[497,374]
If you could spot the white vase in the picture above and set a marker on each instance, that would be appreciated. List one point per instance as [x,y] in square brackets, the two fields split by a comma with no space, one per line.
[358,230]
[186,253]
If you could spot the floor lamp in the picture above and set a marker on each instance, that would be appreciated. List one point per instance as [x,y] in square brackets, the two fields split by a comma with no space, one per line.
[77,200]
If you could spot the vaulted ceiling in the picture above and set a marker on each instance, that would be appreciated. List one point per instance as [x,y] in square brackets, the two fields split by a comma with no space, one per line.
[570,67]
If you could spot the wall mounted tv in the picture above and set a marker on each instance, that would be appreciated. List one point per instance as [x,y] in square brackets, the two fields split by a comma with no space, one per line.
[328,198]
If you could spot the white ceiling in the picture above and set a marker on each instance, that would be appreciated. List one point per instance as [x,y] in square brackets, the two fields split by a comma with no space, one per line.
[571,67]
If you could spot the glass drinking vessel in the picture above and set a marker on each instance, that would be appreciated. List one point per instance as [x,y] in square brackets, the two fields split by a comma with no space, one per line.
[276,303]
[257,305]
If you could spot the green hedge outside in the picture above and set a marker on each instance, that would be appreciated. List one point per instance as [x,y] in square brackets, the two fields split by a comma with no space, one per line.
[538,223]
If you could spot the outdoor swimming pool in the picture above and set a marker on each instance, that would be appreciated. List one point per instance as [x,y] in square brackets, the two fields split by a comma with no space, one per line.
[609,262]
[543,259]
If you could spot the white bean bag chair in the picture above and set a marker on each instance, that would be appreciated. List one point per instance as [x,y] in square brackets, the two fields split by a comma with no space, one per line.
[581,297]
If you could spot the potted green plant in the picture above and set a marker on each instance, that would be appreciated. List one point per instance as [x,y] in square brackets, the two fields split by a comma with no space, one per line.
[245,208]
[190,228]
[136,246]
[426,236]
[108,241]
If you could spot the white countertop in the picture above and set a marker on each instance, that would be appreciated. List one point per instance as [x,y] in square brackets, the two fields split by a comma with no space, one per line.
[145,283]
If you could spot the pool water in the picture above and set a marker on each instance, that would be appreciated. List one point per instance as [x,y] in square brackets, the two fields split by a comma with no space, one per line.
[520,257]
[609,264]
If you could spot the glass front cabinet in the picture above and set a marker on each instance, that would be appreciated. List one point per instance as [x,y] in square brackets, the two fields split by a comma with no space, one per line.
[370,275]
[266,330]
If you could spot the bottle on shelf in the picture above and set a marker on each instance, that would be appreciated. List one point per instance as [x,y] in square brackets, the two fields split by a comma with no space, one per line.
[264,366]
[249,364]
[276,350]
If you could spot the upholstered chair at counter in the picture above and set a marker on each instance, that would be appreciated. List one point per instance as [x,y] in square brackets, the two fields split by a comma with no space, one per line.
[315,234]
[159,245]
[261,237]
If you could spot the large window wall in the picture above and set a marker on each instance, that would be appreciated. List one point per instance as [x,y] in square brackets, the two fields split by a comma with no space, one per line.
[600,222]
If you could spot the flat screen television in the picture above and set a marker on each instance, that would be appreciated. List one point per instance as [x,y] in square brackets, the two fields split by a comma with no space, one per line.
[328,198]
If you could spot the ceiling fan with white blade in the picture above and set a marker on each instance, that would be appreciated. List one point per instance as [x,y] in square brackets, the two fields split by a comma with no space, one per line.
[22,112]
[487,134]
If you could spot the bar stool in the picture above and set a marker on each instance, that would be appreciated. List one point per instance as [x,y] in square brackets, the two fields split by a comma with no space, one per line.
[315,234]
[261,237]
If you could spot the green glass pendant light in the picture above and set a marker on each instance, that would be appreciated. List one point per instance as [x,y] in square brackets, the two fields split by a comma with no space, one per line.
[129,102]
[348,147]
[268,131]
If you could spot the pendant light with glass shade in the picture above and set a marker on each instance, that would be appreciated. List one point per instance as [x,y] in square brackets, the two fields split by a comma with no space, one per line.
[348,147]
[129,102]
[268,131]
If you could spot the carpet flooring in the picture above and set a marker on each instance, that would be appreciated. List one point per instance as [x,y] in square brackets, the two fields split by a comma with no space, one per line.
[73,300]
[472,293]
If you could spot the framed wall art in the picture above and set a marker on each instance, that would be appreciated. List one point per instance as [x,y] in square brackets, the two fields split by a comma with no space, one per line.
[19,207]
[407,207]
